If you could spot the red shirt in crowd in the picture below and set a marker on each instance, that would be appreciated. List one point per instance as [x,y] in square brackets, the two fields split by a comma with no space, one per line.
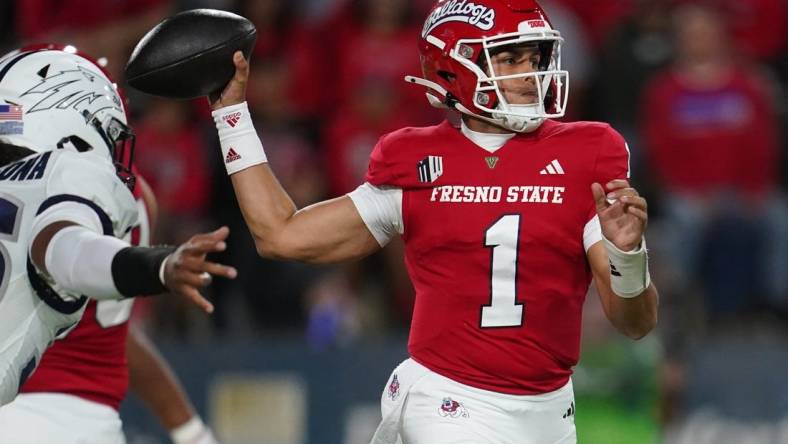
[701,140]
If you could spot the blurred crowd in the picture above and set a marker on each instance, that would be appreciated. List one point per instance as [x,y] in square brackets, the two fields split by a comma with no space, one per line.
[696,87]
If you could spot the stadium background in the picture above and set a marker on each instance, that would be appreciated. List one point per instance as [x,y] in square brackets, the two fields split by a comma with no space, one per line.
[298,354]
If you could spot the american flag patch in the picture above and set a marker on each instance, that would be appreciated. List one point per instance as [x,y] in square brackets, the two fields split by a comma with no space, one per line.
[430,169]
[10,112]
[11,120]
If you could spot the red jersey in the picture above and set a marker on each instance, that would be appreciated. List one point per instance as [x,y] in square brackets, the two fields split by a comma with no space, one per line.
[494,247]
[90,362]
[701,141]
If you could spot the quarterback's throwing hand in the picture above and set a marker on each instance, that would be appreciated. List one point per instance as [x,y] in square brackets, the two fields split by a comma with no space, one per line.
[235,90]
[187,270]
[622,213]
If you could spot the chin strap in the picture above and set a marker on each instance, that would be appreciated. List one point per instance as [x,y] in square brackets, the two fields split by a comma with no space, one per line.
[447,102]
[426,83]
[436,102]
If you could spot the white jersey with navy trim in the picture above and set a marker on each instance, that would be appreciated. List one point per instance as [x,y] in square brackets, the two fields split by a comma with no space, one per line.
[49,186]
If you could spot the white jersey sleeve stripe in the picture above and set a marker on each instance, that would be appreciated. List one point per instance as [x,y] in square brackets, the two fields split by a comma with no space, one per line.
[381,210]
[70,211]
[76,209]
[106,222]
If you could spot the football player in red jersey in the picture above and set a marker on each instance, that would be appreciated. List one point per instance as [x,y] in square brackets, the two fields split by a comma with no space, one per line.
[506,220]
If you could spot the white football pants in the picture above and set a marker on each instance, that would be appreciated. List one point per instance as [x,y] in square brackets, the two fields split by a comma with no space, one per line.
[54,418]
[420,406]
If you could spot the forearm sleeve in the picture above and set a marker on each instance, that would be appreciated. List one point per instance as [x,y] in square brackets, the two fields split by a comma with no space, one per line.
[80,261]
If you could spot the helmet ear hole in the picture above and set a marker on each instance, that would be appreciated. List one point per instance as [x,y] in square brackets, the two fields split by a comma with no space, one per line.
[446,75]
[545,55]
[74,142]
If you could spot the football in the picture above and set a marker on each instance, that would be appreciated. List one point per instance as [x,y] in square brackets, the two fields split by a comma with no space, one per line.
[190,54]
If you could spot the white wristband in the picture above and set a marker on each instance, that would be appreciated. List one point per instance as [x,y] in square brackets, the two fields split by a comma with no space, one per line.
[241,147]
[190,432]
[629,275]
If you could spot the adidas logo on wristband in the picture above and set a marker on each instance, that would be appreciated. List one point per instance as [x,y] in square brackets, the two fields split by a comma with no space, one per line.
[232,156]
[232,119]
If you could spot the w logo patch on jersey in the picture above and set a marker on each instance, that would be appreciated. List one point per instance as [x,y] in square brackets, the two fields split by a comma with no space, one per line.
[430,169]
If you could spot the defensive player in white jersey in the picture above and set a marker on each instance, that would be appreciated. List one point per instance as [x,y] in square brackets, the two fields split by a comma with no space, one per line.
[74,395]
[63,212]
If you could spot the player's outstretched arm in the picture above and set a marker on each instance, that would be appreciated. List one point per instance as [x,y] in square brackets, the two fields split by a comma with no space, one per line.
[619,262]
[154,382]
[330,231]
[82,261]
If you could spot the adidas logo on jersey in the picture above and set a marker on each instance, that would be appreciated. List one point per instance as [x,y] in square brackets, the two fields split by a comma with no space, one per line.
[552,168]
[232,156]
[232,119]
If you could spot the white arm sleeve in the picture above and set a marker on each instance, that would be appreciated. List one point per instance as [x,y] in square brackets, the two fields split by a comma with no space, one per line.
[79,260]
[592,233]
[381,210]
[75,270]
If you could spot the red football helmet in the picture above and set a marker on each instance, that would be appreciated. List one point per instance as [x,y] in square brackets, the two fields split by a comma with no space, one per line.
[456,45]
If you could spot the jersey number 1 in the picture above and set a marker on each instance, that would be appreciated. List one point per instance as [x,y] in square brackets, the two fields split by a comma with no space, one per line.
[503,310]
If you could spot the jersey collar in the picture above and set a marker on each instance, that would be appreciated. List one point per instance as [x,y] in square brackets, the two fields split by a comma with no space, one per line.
[490,142]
